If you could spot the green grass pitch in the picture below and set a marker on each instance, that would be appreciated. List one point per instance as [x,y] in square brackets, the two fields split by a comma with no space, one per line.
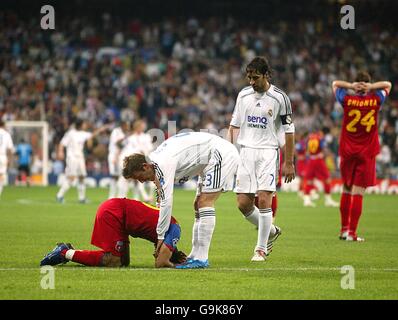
[305,264]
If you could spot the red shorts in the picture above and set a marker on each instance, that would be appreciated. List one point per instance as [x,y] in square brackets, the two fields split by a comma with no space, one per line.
[316,168]
[358,171]
[109,231]
[300,167]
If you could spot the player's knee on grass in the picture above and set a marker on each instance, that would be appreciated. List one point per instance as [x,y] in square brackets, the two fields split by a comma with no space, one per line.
[111,261]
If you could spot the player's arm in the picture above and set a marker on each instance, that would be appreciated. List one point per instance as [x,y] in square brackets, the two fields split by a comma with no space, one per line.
[232,134]
[288,128]
[61,151]
[380,85]
[165,192]
[163,256]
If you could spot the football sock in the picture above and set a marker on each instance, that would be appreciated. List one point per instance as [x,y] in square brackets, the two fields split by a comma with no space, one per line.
[274,205]
[64,188]
[264,228]
[308,188]
[122,186]
[345,208]
[112,189]
[207,223]
[86,257]
[252,217]
[81,190]
[327,188]
[142,192]
[195,238]
[356,211]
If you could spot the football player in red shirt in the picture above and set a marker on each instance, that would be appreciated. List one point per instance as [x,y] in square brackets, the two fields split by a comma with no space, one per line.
[359,145]
[316,169]
[115,221]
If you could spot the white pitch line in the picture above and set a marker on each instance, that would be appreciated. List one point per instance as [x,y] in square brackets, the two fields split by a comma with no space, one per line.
[209,269]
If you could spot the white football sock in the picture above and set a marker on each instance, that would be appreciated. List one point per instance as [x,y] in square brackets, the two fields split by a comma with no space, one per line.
[207,223]
[1,186]
[112,189]
[64,188]
[264,228]
[195,237]
[252,217]
[81,190]
[122,187]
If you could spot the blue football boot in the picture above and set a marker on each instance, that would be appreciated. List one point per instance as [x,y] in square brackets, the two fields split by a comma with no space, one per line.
[55,257]
[193,264]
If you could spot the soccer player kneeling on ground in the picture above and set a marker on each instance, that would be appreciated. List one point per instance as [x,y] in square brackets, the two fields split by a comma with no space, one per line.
[116,219]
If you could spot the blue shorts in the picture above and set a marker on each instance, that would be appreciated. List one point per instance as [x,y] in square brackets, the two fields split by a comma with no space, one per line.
[172,236]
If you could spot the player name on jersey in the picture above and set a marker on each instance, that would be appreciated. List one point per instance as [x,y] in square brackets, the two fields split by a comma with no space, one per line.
[371,102]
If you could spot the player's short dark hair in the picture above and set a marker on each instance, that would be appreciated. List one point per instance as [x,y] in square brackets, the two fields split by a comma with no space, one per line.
[363,76]
[261,65]
[133,163]
[79,123]
[2,123]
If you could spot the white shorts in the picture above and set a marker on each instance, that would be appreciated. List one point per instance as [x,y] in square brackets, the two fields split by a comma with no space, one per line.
[3,165]
[113,165]
[220,172]
[258,170]
[75,167]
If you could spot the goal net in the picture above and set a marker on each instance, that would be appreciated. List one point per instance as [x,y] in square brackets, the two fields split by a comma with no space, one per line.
[34,133]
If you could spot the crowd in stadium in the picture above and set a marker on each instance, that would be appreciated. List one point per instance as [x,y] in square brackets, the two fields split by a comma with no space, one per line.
[189,70]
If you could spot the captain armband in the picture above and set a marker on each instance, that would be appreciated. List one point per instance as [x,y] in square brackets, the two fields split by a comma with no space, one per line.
[287,123]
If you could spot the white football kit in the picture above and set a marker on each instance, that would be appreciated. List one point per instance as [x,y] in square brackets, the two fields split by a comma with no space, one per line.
[5,144]
[116,136]
[260,117]
[186,155]
[74,141]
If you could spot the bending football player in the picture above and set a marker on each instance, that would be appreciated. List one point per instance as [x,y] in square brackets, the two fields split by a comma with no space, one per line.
[115,221]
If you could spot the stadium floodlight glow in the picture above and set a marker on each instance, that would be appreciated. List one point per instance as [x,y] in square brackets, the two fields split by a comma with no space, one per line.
[17,130]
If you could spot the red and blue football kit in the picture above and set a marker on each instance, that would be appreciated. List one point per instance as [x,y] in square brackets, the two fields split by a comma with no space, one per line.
[119,218]
[301,159]
[359,140]
[316,166]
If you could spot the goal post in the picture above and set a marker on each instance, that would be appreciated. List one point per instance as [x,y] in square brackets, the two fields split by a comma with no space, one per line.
[35,133]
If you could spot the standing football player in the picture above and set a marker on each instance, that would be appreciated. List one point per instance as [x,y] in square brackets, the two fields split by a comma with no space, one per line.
[178,159]
[117,135]
[6,151]
[316,169]
[261,110]
[74,141]
[359,145]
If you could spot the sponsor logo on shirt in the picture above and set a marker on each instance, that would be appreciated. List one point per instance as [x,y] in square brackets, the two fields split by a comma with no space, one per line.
[257,122]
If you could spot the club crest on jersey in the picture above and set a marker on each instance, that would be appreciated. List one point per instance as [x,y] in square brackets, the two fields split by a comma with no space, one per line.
[270,113]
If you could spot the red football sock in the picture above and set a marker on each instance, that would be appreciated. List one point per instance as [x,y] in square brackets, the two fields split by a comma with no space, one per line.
[88,257]
[356,211]
[274,205]
[345,208]
[327,188]
[308,188]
